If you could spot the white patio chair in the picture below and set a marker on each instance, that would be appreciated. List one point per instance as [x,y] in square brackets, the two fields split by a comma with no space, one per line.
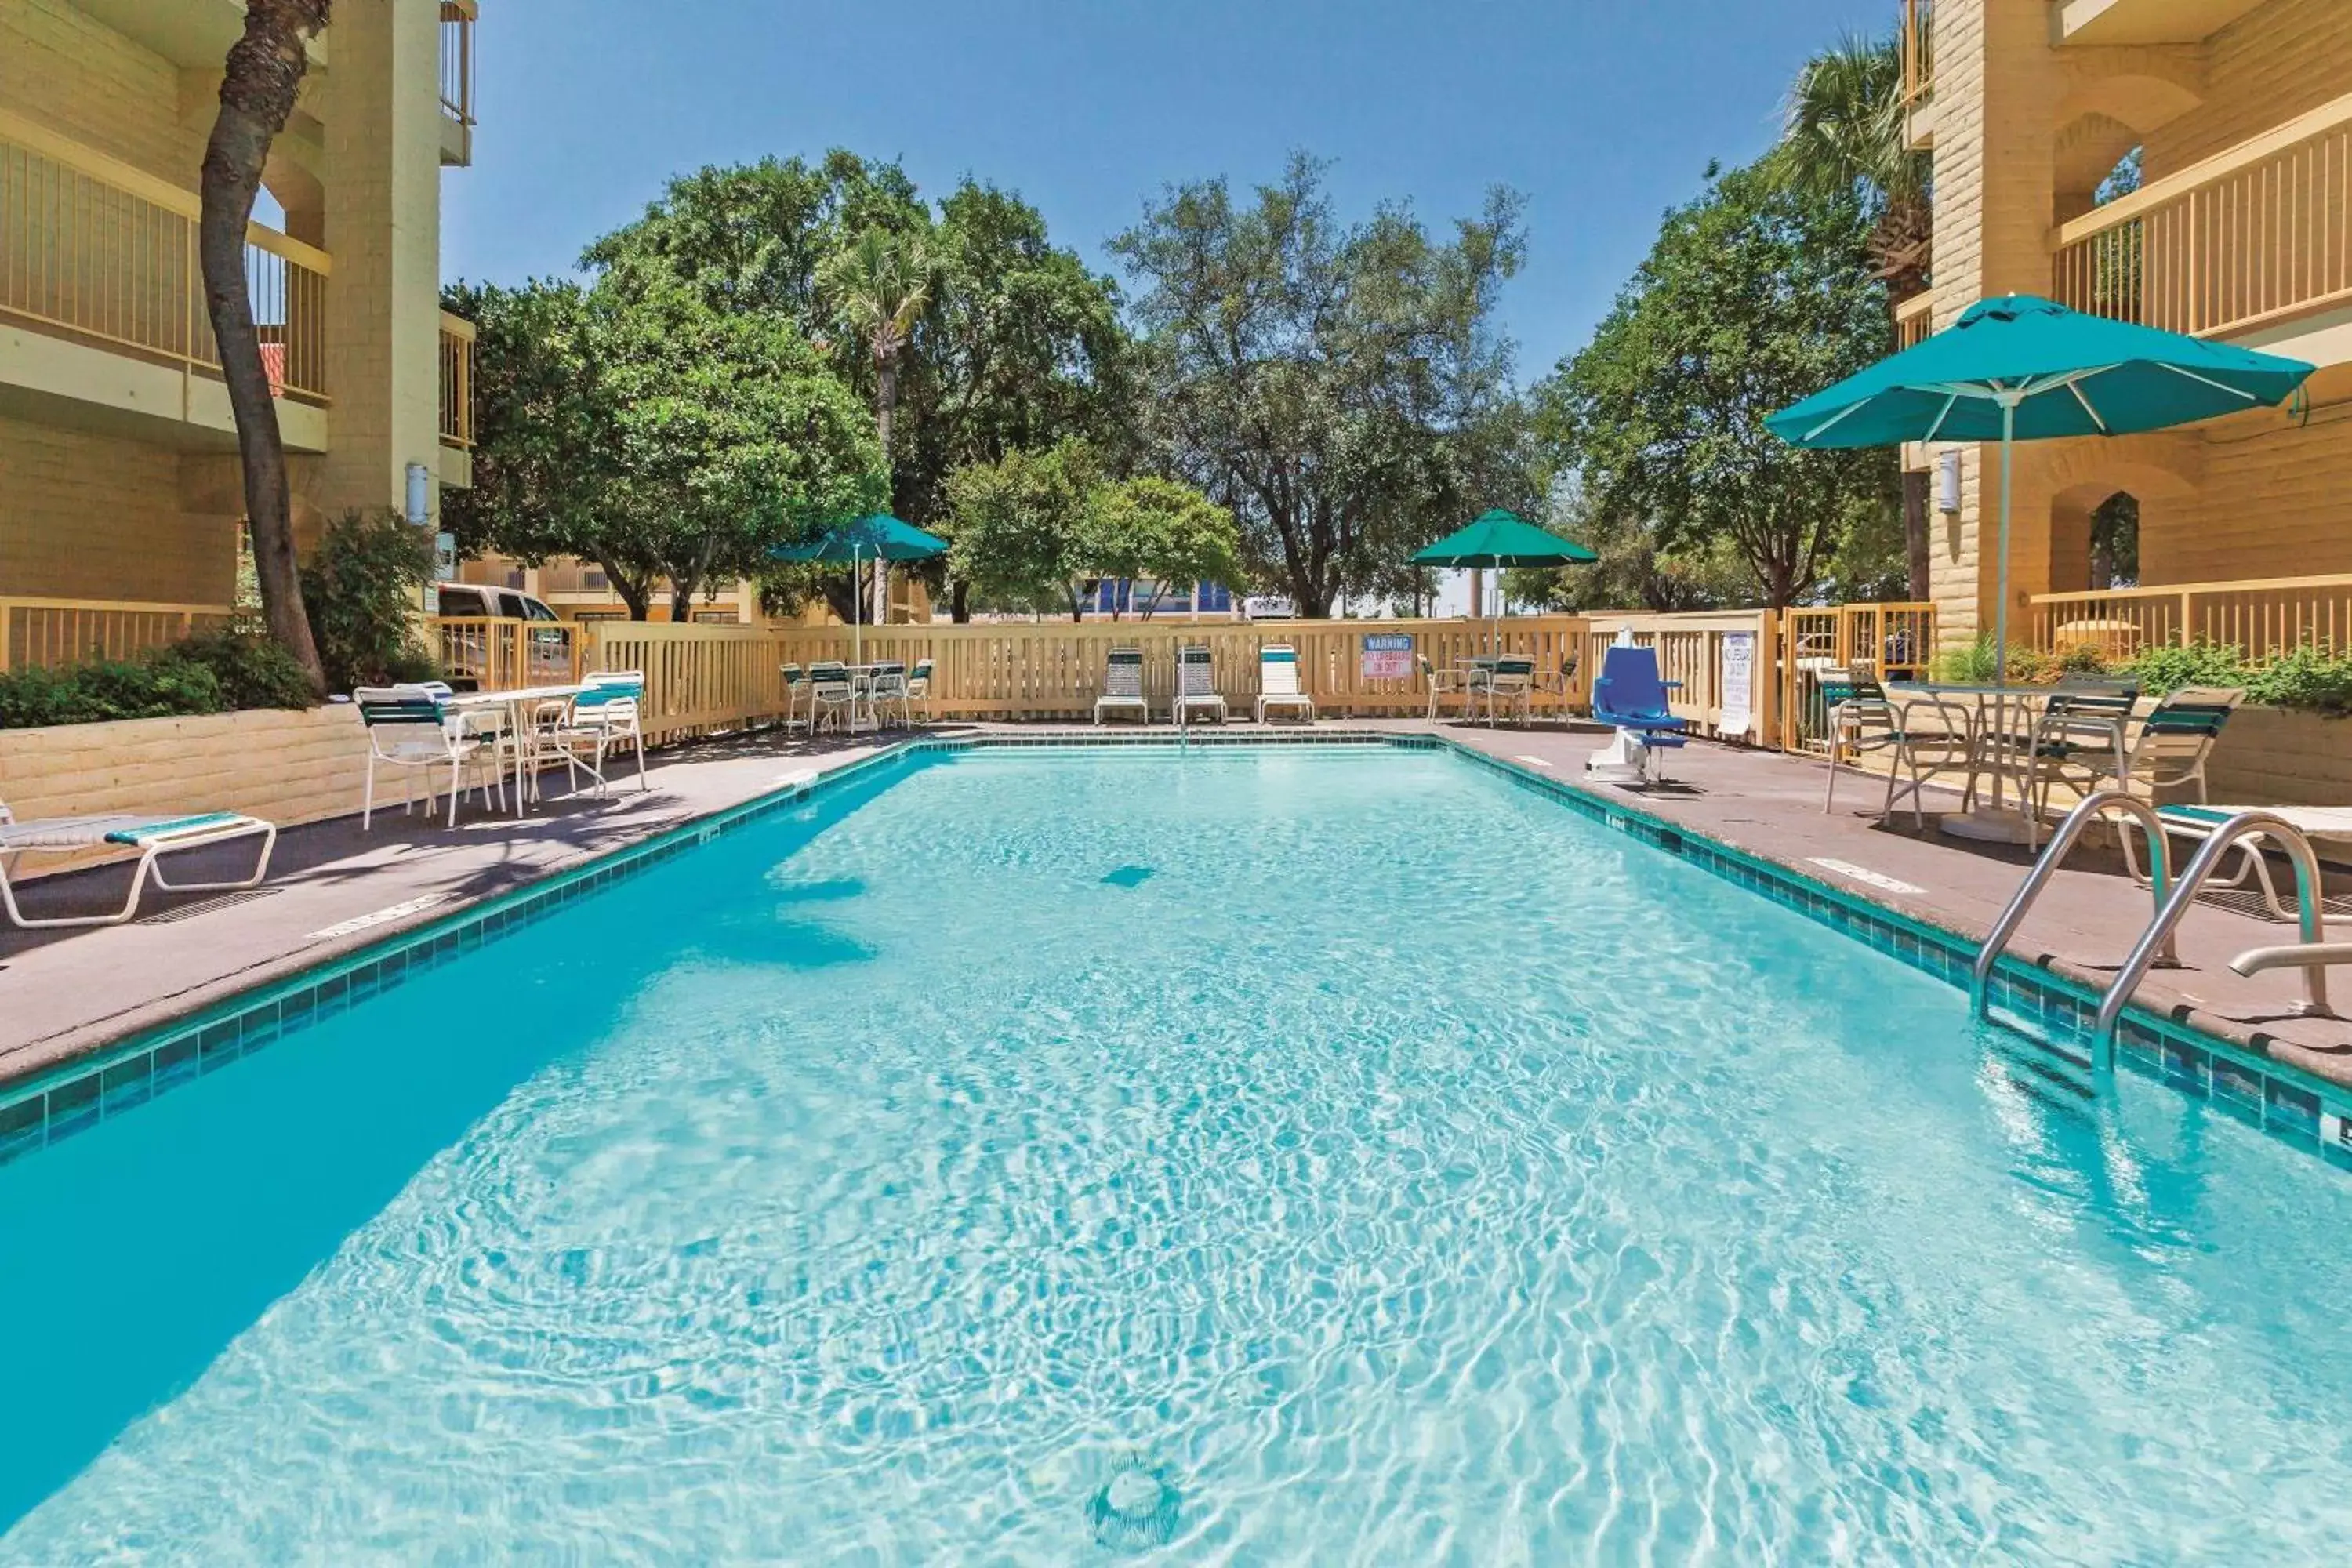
[833,697]
[152,836]
[1444,683]
[607,715]
[919,690]
[1510,683]
[1195,687]
[409,730]
[1862,720]
[1278,682]
[796,690]
[885,689]
[1123,686]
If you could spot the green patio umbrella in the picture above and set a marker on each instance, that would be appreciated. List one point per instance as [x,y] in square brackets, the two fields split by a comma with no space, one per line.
[1499,538]
[2020,368]
[876,537]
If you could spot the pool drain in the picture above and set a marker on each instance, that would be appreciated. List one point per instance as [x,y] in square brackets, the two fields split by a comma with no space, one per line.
[1136,1508]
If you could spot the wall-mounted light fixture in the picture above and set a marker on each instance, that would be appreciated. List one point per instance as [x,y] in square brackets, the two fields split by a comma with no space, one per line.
[1947,479]
[420,494]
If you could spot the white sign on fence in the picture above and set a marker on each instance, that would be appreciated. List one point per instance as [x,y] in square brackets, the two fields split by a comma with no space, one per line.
[1387,655]
[1738,716]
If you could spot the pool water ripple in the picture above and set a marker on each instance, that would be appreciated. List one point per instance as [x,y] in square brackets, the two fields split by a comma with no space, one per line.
[1404,1171]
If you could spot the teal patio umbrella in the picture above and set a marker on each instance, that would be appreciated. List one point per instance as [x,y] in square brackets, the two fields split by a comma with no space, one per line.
[2020,368]
[876,537]
[1499,538]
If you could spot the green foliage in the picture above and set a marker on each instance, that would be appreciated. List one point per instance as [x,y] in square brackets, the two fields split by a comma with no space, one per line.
[1972,664]
[249,670]
[363,590]
[1847,140]
[1342,388]
[1017,524]
[2168,668]
[1158,528]
[2305,677]
[1755,295]
[1634,572]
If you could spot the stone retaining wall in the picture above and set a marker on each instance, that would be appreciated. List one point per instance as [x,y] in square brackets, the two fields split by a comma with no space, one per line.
[286,765]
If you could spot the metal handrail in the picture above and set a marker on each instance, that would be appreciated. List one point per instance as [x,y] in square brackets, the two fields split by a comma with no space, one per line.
[2201,865]
[2098,804]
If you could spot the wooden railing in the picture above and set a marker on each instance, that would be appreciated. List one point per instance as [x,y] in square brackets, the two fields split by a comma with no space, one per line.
[2256,234]
[1054,669]
[49,634]
[1893,641]
[457,59]
[700,678]
[1690,647]
[1915,318]
[98,249]
[457,382]
[1919,62]
[2258,617]
[491,654]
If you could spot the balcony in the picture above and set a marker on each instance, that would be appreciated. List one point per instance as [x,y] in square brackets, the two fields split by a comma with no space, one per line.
[458,82]
[1914,320]
[102,304]
[1915,39]
[2110,22]
[457,401]
[2250,245]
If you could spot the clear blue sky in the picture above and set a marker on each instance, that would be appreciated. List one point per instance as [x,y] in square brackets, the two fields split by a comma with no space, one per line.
[1601,113]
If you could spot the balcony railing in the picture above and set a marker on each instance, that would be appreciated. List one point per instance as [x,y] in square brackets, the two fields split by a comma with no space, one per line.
[2252,237]
[51,634]
[457,382]
[1913,319]
[97,249]
[457,59]
[2258,617]
[1918,63]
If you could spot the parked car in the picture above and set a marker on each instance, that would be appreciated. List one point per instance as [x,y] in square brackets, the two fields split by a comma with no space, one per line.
[471,654]
[1269,607]
[498,603]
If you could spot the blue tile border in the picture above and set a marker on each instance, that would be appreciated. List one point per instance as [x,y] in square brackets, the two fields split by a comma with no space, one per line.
[2056,1015]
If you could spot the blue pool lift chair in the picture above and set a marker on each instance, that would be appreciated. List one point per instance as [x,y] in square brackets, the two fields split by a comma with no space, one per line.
[1629,696]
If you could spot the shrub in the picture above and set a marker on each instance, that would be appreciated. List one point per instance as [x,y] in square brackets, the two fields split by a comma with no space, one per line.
[1972,664]
[252,671]
[2307,677]
[2160,670]
[153,688]
[362,593]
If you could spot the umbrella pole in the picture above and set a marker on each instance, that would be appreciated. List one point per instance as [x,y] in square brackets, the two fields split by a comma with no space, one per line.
[856,609]
[2001,605]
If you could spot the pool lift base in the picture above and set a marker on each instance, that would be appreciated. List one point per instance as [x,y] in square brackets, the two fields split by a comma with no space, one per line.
[1625,759]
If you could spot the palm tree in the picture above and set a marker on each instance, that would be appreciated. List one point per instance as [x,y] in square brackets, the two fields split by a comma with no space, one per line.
[263,73]
[879,284]
[1846,138]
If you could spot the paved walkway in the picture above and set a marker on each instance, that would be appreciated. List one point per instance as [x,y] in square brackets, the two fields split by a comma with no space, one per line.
[335,889]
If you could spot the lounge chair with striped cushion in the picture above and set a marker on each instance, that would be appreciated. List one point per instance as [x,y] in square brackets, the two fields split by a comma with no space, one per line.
[1122,689]
[1196,688]
[152,836]
[409,728]
[1278,683]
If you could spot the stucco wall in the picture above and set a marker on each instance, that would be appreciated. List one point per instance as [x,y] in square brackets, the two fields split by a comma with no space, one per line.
[96,517]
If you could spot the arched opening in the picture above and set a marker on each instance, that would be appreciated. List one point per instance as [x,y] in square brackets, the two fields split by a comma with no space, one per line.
[2115,542]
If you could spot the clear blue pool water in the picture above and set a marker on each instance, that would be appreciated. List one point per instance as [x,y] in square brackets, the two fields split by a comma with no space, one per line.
[1253,1157]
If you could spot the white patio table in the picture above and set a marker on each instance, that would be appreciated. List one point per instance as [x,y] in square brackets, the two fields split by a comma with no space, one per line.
[517,704]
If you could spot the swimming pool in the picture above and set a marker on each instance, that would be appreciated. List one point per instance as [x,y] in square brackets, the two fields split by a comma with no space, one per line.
[1289,1155]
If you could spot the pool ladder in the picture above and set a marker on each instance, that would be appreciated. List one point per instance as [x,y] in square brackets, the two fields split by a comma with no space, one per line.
[2157,944]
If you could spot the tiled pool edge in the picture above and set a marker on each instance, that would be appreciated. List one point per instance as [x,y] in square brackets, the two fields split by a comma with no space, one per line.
[66,1098]
[2273,1096]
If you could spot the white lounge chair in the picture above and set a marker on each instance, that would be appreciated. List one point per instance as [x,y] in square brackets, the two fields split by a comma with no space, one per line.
[1195,687]
[1278,682]
[1123,686]
[152,836]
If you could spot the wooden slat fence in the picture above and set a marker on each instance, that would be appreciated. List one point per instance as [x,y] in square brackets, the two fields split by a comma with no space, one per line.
[55,633]
[1054,669]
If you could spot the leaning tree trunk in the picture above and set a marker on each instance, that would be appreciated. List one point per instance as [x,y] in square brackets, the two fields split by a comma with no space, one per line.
[258,88]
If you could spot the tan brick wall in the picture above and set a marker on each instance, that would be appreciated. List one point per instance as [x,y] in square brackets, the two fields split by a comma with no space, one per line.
[86,515]
[285,766]
[63,68]
[2269,66]
[2270,757]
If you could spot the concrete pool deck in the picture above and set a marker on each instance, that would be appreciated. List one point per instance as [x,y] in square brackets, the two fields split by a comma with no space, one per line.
[333,889]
